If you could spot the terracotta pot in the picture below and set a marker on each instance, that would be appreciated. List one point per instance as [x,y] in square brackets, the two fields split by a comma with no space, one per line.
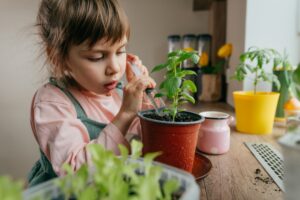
[175,140]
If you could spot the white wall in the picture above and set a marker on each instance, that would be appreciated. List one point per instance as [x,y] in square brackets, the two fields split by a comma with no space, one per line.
[235,34]
[20,68]
[152,21]
[273,24]
[265,24]
[19,76]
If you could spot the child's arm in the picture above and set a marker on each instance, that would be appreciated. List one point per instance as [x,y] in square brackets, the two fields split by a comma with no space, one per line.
[61,135]
[137,70]
[133,127]
[132,102]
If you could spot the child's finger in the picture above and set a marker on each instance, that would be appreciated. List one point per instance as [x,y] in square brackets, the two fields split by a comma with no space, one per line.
[138,62]
[129,73]
[141,83]
[132,57]
[144,70]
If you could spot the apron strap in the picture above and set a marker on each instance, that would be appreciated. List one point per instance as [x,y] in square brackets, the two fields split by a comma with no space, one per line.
[42,170]
[79,110]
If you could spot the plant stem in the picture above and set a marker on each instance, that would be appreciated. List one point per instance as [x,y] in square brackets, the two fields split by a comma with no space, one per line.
[175,107]
[255,82]
[175,99]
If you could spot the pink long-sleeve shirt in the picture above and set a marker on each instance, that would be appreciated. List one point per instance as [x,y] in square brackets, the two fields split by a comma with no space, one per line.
[62,137]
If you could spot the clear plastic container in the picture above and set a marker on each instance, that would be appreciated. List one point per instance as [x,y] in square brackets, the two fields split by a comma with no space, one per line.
[290,144]
[204,45]
[190,44]
[188,187]
[174,43]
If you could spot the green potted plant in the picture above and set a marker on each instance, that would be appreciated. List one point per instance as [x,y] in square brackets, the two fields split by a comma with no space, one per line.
[284,72]
[124,177]
[174,132]
[10,189]
[212,75]
[295,85]
[255,111]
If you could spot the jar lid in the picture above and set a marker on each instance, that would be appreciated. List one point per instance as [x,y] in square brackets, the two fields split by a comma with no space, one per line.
[189,36]
[174,37]
[204,36]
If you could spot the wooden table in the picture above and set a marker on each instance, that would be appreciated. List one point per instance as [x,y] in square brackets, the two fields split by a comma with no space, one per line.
[233,174]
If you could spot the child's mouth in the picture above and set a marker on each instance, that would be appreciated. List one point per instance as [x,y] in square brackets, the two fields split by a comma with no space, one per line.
[111,85]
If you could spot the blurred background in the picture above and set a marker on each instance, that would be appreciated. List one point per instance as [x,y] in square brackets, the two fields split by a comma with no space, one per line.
[244,23]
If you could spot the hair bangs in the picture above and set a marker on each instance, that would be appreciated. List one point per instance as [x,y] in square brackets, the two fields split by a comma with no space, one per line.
[96,20]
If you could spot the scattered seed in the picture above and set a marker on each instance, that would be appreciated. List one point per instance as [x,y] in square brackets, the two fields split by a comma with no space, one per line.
[257,171]
[266,180]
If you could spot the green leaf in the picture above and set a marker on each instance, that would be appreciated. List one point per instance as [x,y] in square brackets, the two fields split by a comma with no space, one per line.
[172,54]
[260,61]
[195,58]
[189,85]
[150,157]
[88,193]
[171,86]
[170,187]
[218,67]
[9,189]
[158,95]
[276,62]
[115,178]
[162,84]
[249,67]
[243,57]
[296,81]
[184,73]
[185,56]
[159,67]
[188,97]
[287,77]
[123,151]
[240,73]
[264,76]
[276,81]
[136,149]
[68,169]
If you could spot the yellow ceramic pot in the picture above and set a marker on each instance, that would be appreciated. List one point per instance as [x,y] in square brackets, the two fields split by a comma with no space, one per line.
[255,112]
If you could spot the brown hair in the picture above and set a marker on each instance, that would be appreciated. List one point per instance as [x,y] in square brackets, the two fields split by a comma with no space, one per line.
[63,23]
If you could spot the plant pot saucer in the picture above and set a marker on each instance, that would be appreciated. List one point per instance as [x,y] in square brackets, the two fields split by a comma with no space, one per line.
[201,167]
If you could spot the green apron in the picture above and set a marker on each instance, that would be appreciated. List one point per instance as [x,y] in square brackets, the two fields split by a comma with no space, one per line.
[42,170]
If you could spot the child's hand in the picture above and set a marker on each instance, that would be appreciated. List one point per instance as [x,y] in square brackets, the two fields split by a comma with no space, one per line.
[133,91]
[133,94]
[134,59]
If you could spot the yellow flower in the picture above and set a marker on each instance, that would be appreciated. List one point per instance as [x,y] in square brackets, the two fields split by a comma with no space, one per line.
[203,61]
[188,49]
[225,51]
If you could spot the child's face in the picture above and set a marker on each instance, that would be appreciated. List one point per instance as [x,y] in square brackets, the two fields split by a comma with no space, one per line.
[98,69]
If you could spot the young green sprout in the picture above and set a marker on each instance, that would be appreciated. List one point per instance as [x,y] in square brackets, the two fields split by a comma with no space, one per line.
[175,86]
[253,62]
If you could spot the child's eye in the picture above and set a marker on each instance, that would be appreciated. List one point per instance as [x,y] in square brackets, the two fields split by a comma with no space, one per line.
[121,52]
[95,59]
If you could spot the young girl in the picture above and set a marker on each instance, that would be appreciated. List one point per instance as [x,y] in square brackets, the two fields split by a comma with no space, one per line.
[85,45]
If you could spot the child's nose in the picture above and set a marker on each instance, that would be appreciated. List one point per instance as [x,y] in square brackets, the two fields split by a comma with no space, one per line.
[113,67]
